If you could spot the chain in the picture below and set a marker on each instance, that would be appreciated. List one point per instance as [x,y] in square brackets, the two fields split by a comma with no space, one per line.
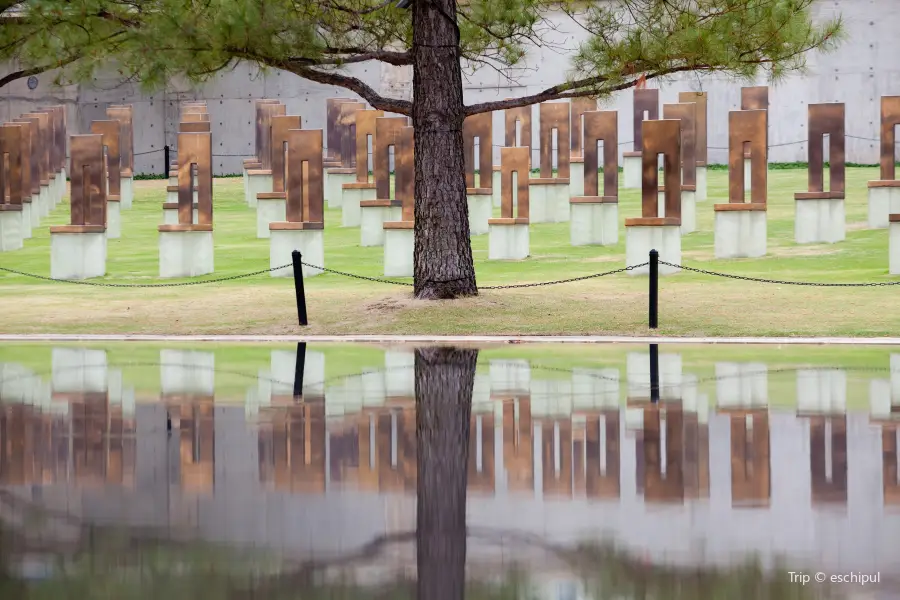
[146,285]
[355,276]
[778,281]
[527,285]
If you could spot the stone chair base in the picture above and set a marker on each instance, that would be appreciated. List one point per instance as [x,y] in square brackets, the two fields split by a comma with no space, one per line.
[26,220]
[894,244]
[748,175]
[688,208]
[113,219]
[351,195]
[508,239]
[548,200]
[259,181]
[884,200]
[495,186]
[170,214]
[308,238]
[271,207]
[77,252]
[701,183]
[126,192]
[819,218]
[633,163]
[643,235]
[399,247]
[740,230]
[185,250]
[742,386]
[576,177]
[35,212]
[480,210]
[11,226]
[595,221]
[334,185]
[45,201]
[373,215]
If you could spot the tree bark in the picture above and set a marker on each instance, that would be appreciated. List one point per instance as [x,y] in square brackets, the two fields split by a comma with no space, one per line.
[445,378]
[443,265]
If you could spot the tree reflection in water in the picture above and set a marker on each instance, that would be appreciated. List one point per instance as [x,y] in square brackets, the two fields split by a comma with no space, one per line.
[127,564]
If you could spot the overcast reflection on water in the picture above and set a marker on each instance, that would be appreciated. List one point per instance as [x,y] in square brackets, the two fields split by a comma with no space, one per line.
[350,472]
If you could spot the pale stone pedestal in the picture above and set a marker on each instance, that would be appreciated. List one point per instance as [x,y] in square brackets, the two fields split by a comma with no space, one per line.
[126,192]
[495,185]
[308,238]
[185,250]
[77,251]
[79,370]
[742,385]
[334,185]
[247,165]
[27,208]
[259,181]
[645,234]
[688,208]
[701,182]
[189,372]
[576,177]
[508,239]
[373,215]
[45,201]
[480,203]
[353,194]
[271,207]
[170,214]
[548,200]
[113,219]
[594,221]
[399,246]
[748,175]
[894,245]
[35,212]
[10,228]
[884,200]
[740,230]
[633,170]
[821,391]
[819,218]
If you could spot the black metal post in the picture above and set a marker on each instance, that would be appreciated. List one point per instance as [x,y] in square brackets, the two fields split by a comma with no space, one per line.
[166,159]
[654,373]
[298,286]
[654,289]
[298,369]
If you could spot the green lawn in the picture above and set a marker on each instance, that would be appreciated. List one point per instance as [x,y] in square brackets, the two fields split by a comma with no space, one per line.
[691,304]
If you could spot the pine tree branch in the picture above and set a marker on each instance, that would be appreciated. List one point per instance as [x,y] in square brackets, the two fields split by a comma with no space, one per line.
[15,75]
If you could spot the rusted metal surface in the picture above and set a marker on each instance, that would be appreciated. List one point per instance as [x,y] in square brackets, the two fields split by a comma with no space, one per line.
[686,113]
[264,127]
[578,108]
[387,132]
[305,172]
[194,152]
[701,100]
[54,155]
[755,98]
[405,173]
[481,127]
[513,160]
[109,131]
[365,128]
[11,165]
[747,129]
[601,126]
[332,129]
[554,115]
[124,114]
[646,107]
[258,127]
[890,118]
[826,119]
[193,127]
[520,116]
[43,145]
[88,177]
[30,172]
[347,128]
[660,137]
[281,126]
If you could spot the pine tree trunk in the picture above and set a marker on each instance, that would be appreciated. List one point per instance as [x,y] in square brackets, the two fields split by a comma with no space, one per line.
[445,378]
[443,266]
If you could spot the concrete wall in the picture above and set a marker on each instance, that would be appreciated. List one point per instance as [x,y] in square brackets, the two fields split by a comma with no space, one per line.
[859,74]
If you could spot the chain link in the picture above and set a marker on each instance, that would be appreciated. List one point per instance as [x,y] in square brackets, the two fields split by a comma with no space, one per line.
[570,280]
[778,281]
[146,285]
[355,276]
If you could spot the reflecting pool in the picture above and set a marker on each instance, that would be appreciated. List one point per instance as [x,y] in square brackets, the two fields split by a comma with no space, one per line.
[514,471]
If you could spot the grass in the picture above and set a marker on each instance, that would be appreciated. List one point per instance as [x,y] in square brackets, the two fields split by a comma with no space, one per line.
[690,304]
